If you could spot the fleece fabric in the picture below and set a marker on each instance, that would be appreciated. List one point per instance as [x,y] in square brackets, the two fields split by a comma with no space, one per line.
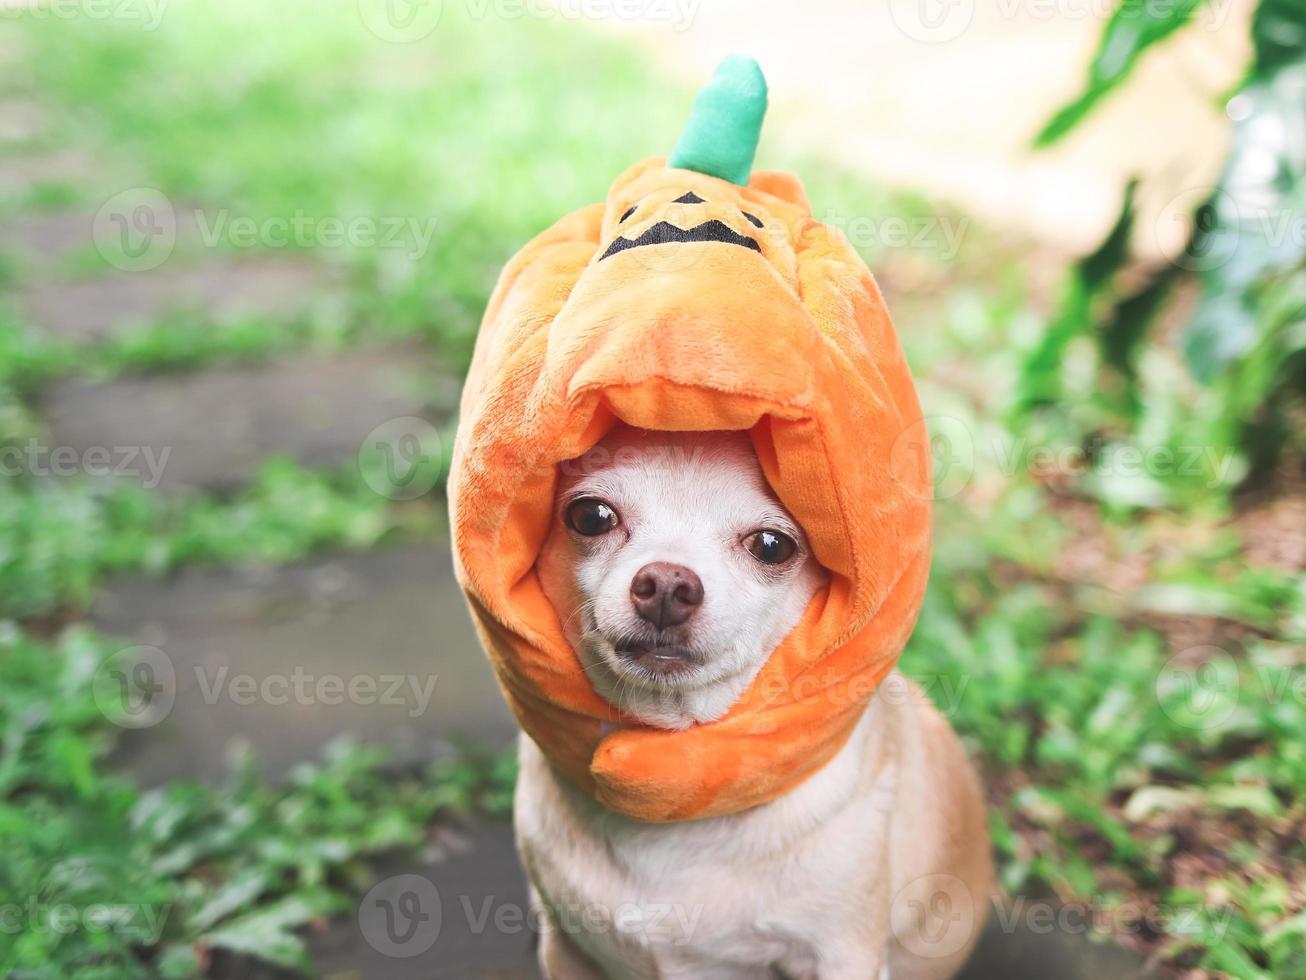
[687,302]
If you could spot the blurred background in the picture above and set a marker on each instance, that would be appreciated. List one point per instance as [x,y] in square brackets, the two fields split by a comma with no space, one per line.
[245,729]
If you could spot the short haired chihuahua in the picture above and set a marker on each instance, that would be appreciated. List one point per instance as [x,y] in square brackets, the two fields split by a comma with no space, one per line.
[676,572]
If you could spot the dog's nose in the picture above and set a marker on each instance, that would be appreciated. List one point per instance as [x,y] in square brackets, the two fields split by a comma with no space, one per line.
[665,594]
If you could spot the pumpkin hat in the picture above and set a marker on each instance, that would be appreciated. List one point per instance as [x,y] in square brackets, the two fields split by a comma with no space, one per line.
[698,296]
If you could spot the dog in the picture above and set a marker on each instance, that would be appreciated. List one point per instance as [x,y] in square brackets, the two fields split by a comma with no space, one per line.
[676,572]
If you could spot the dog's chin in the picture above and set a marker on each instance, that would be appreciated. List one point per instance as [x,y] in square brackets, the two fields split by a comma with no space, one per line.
[668,686]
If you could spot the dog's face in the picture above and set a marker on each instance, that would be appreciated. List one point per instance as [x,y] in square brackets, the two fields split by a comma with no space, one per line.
[675,571]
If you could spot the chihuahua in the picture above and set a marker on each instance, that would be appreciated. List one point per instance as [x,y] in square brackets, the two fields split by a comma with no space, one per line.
[676,572]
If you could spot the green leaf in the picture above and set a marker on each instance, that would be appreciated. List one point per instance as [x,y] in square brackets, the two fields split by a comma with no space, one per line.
[267,934]
[1040,375]
[234,895]
[1279,33]
[179,962]
[1259,800]
[1121,335]
[1134,27]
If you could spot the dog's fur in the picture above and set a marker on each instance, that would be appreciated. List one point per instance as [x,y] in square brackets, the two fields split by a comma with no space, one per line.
[876,866]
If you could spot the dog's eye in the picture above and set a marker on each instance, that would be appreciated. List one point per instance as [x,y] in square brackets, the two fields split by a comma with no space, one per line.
[591,517]
[770,547]
[628,213]
[753,219]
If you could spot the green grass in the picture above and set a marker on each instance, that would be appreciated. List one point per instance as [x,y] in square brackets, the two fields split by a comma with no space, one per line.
[58,539]
[109,881]
[261,118]
[1109,773]
[1114,759]
[241,114]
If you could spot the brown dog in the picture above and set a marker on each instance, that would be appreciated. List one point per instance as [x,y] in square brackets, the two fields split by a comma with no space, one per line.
[677,572]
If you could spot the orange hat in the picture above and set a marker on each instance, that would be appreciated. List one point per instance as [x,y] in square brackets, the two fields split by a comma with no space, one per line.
[697,297]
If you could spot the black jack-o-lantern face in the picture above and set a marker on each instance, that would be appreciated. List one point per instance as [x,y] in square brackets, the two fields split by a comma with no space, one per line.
[664,232]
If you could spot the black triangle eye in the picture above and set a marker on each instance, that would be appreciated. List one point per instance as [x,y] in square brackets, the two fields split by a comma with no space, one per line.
[757,222]
[689,197]
[627,214]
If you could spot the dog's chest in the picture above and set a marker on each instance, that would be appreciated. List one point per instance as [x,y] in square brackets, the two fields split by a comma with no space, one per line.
[724,898]
[684,910]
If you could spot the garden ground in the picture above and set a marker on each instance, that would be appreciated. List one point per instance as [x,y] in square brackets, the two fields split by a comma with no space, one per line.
[222,285]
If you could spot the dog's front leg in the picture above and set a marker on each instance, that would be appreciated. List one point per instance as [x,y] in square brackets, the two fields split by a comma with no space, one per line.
[560,960]
[558,956]
[844,964]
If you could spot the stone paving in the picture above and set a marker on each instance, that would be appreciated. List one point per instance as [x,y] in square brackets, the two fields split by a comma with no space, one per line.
[21,121]
[265,657]
[476,899]
[213,428]
[20,175]
[46,238]
[217,290]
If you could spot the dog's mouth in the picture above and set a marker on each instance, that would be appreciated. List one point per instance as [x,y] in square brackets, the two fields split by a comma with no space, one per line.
[658,661]
[648,661]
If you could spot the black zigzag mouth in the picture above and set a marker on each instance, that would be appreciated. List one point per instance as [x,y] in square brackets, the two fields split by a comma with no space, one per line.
[664,233]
